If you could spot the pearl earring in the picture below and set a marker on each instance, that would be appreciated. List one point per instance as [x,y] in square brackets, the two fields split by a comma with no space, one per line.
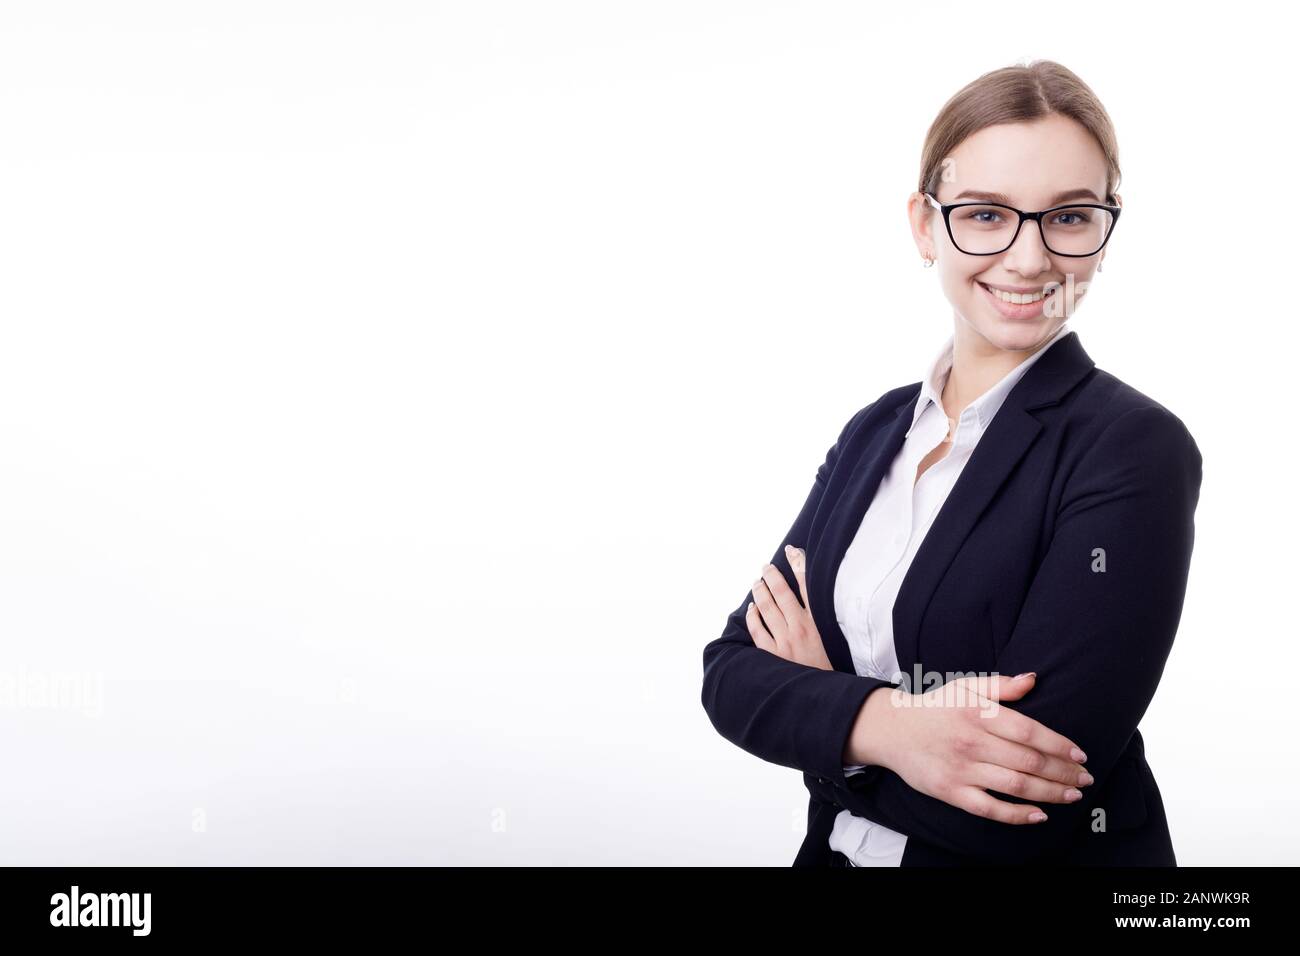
[927,261]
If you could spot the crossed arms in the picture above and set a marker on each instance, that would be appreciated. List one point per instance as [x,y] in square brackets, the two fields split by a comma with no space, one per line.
[1098,641]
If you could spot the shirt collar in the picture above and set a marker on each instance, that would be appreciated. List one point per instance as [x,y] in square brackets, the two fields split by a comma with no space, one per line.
[987,405]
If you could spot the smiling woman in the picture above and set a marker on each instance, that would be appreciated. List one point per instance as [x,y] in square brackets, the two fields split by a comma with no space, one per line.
[953,529]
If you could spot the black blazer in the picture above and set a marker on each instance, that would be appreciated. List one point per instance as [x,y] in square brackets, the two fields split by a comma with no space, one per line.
[1074,460]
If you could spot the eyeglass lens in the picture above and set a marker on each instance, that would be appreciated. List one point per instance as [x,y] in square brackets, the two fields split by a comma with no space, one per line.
[1075,230]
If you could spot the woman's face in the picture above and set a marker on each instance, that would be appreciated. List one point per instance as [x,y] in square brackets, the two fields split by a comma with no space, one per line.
[1033,166]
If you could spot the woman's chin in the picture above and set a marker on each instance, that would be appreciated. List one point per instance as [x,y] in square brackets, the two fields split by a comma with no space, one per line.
[1016,334]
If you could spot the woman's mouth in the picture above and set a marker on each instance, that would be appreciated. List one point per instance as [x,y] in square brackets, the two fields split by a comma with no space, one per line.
[1020,305]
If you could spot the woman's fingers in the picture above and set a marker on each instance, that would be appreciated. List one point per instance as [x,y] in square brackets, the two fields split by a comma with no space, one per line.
[797,564]
[1024,785]
[1015,726]
[992,749]
[790,623]
[757,632]
[790,607]
[976,801]
[768,608]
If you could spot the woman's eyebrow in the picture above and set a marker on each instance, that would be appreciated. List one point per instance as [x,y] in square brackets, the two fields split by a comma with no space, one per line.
[1005,200]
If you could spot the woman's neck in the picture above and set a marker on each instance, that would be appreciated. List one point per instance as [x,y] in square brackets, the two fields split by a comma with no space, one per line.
[978,365]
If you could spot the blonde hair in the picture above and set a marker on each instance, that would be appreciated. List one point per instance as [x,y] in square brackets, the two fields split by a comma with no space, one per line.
[1016,94]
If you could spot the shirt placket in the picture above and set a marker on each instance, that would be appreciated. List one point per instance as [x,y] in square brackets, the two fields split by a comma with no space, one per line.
[901,537]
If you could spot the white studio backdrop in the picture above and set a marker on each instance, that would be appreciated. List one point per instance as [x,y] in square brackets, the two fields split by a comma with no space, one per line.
[395,398]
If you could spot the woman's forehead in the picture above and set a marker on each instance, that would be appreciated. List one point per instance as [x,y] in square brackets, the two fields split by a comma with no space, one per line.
[1026,163]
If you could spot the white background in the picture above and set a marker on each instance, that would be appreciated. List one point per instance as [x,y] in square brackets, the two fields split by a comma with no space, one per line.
[395,398]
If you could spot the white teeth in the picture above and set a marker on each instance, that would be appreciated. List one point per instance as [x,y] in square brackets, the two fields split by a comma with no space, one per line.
[1015,298]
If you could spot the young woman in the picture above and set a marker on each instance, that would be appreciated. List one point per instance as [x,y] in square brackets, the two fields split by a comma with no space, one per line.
[1017,511]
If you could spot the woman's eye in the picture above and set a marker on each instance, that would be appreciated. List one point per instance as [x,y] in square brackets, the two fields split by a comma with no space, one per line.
[1071,219]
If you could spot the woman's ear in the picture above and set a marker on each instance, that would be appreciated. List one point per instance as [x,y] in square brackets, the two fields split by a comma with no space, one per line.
[919,218]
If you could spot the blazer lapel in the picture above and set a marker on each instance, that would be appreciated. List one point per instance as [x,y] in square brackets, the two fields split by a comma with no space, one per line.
[1001,448]
[828,553]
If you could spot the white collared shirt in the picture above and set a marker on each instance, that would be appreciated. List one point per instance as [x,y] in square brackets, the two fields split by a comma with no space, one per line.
[895,525]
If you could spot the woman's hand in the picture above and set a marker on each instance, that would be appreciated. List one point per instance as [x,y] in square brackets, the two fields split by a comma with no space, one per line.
[954,742]
[790,632]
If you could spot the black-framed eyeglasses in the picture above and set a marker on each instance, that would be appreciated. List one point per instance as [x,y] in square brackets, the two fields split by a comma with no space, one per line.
[1077,230]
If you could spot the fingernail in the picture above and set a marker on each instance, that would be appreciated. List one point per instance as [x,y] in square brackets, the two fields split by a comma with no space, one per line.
[1085,778]
[1077,755]
[1072,794]
[1038,816]
[1026,674]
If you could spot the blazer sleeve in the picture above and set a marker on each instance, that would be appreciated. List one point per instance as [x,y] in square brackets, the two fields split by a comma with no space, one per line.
[784,712]
[1098,639]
